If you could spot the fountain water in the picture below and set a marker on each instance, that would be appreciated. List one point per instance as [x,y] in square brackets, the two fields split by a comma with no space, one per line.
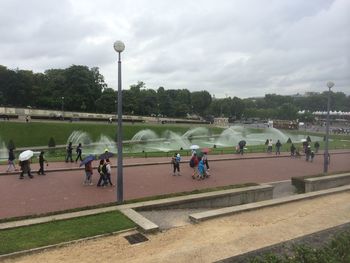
[77,137]
[147,140]
[3,150]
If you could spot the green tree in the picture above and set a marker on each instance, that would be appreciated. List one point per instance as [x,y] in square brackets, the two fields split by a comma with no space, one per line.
[201,101]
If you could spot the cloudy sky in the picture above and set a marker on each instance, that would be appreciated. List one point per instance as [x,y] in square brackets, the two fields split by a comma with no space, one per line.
[240,48]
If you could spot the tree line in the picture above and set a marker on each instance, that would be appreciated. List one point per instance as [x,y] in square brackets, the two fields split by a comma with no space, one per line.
[80,88]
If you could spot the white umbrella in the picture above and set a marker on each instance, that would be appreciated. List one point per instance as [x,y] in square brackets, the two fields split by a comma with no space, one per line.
[26,155]
[194,147]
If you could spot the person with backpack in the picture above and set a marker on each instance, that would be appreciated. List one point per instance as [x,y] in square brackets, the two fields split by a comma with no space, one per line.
[176,163]
[193,164]
[102,181]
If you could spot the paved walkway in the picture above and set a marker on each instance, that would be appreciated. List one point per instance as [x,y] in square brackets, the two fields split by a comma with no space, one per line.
[61,190]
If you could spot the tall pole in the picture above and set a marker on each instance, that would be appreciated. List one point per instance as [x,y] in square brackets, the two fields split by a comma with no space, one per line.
[62,108]
[326,157]
[120,135]
[119,47]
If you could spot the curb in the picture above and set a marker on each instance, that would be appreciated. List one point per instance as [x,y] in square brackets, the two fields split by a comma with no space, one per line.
[211,214]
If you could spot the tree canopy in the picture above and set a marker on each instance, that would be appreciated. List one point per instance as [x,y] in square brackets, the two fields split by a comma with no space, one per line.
[83,89]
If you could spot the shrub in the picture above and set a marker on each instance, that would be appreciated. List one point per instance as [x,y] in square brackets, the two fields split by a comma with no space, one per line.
[52,142]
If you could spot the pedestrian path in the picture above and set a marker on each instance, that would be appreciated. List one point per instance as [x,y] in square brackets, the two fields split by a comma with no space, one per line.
[60,190]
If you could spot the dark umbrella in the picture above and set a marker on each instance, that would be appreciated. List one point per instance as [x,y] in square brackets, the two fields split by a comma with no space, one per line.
[87,159]
[242,143]
[105,156]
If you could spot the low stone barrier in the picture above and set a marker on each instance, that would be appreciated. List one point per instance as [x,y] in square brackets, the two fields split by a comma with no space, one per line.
[326,182]
[215,199]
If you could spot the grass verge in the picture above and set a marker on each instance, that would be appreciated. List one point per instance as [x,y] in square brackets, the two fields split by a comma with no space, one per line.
[23,238]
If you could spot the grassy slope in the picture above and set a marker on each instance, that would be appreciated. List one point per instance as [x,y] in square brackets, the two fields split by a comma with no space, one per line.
[23,238]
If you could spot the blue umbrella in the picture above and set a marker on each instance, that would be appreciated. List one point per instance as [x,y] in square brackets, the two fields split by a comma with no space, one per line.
[87,159]
[105,156]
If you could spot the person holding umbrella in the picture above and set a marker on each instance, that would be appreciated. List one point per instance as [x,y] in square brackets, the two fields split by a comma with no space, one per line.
[24,162]
[241,145]
[87,162]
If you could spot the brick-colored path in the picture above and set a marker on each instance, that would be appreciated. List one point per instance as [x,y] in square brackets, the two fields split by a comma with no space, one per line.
[64,189]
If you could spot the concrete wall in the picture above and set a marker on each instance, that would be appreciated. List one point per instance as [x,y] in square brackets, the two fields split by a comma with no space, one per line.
[216,199]
[326,182]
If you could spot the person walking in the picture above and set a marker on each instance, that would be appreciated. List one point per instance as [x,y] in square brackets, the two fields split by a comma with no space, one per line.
[269,146]
[108,172]
[307,153]
[41,163]
[292,150]
[193,164]
[102,170]
[69,152]
[25,168]
[205,160]
[79,152]
[278,147]
[88,173]
[11,161]
[176,163]
[317,146]
[201,170]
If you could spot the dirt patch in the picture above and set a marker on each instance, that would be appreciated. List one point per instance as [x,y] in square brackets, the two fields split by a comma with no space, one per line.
[212,240]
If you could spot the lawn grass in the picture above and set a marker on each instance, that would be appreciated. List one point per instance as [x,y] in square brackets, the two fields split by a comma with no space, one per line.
[38,133]
[55,232]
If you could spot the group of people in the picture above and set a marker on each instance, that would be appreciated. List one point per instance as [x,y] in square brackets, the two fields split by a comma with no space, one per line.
[269,144]
[25,165]
[69,152]
[104,170]
[198,163]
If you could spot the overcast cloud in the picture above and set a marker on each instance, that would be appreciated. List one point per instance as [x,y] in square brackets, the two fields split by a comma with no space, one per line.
[242,48]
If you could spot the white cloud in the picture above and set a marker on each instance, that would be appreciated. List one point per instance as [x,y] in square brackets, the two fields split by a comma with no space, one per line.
[237,48]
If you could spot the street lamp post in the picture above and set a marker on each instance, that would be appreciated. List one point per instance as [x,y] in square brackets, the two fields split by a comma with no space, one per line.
[62,108]
[119,47]
[330,84]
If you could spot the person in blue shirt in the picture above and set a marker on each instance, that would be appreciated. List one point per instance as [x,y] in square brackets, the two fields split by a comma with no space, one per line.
[176,163]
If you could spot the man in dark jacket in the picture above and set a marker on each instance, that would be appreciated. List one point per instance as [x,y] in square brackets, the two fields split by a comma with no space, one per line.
[69,152]
[79,152]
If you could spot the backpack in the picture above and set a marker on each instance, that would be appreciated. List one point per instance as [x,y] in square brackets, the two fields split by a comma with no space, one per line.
[104,169]
[192,162]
